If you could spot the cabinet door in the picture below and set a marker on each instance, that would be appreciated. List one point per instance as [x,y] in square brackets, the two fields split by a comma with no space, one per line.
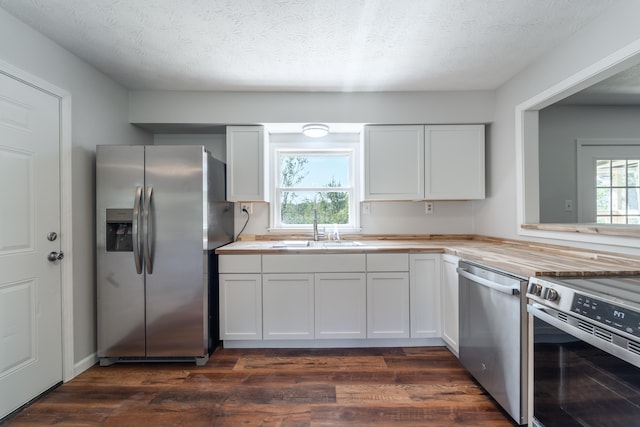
[454,162]
[246,164]
[450,301]
[424,273]
[340,305]
[394,162]
[287,306]
[388,305]
[240,306]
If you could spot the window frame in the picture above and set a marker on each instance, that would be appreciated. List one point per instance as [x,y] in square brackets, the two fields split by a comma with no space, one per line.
[588,152]
[298,144]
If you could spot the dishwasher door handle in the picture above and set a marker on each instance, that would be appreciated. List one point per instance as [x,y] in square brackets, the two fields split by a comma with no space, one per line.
[510,290]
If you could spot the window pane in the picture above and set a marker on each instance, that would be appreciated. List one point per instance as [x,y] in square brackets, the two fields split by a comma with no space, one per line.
[633,194]
[603,220]
[603,173]
[633,173]
[297,207]
[618,219]
[619,201]
[311,171]
[633,220]
[603,205]
[619,173]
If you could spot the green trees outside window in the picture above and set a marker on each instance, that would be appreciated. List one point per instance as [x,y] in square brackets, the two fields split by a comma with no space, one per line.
[307,181]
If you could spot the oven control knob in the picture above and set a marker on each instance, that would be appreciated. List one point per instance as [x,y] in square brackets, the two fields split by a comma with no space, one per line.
[536,289]
[551,294]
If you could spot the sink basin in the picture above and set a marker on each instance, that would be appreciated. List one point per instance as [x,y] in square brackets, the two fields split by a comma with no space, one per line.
[341,243]
[319,244]
[291,244]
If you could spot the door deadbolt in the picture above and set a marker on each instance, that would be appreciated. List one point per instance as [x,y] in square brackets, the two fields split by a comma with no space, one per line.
[52,236]
[55,256]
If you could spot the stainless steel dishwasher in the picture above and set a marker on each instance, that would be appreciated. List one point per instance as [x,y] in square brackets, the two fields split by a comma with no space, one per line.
[493,334]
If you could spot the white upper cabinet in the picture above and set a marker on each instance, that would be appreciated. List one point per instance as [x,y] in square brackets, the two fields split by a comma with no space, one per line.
[394,162]
[454,159]
[246,164]
[440,162]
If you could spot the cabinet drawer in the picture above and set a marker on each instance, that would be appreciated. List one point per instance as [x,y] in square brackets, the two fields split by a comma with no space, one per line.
[387,262]
[239,263]
[313,263]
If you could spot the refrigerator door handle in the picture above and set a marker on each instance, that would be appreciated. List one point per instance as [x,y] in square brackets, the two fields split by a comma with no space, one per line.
[148,230]
[135,230]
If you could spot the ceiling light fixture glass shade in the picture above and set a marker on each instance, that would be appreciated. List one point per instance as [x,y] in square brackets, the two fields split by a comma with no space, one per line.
[315,130]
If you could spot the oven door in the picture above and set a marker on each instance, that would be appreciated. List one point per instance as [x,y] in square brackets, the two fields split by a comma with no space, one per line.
[577,383]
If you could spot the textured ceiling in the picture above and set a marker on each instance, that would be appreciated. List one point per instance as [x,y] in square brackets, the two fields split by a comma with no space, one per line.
[308,45]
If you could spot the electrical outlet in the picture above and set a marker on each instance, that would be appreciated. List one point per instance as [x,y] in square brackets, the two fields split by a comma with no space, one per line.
[366,208]
[568,205]
[428,208]
[246,206]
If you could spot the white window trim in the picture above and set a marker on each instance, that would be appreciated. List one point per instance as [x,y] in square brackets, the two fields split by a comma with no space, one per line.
[613,149]
[345,142]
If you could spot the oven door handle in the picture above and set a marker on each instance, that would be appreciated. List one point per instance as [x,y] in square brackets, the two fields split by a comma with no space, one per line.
[509,290]
[538,310]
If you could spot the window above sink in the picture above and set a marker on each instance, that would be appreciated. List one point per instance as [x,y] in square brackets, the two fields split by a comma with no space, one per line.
[321,173]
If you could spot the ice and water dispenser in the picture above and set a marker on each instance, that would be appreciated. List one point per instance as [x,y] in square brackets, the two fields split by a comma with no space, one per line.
[119,230]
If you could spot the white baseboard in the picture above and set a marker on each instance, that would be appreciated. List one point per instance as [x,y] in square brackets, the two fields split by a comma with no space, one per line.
[84,364]
[335,343]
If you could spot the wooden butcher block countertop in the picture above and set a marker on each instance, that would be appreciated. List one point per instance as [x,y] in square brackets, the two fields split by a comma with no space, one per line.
[522,258]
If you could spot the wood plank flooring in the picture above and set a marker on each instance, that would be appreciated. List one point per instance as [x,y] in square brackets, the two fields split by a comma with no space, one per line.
[405,387]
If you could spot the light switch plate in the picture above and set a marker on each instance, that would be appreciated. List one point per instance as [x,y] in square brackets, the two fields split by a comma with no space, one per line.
[568,205]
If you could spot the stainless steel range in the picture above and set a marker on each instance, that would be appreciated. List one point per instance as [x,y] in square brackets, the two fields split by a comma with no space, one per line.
[586,351]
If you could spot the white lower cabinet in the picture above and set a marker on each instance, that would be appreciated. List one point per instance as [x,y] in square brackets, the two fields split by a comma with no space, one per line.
[450,310]
[424,272]
[340,305]
[240,306]
[335,296]
[388,305]
[287,306]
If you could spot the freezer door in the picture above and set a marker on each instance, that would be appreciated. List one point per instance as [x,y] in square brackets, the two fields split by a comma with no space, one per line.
[176,283]
[120,288]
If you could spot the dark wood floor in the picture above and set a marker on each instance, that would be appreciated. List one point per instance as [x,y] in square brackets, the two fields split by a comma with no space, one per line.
[320,387]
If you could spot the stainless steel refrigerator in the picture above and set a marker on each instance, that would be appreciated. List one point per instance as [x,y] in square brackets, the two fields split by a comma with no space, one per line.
[160,213]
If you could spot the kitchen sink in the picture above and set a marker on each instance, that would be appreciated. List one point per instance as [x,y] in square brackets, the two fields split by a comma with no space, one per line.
[319,244]
[341,243]
[291,244]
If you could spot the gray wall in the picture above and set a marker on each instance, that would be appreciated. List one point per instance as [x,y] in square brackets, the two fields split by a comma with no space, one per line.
[560,127]
[185,107]
[215,143]
[99,116]
[149,107]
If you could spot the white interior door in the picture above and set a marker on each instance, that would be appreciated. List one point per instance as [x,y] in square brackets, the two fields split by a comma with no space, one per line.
[30,284]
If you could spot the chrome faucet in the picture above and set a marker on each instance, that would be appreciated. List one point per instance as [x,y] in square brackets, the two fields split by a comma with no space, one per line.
[316,233]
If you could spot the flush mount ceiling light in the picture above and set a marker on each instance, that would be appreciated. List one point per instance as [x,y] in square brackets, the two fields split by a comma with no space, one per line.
[315,130]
